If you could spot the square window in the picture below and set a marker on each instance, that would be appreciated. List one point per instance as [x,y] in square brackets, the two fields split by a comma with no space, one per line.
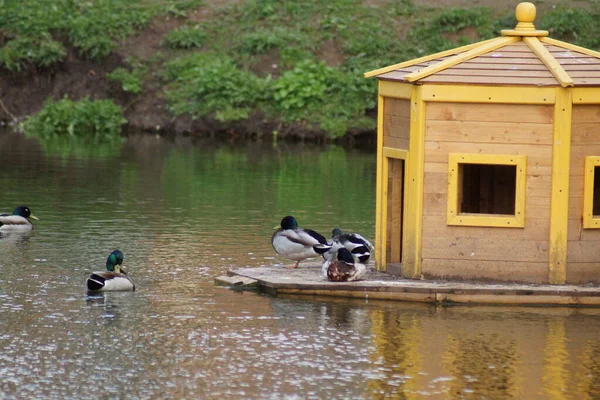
[486,190]
[591,193]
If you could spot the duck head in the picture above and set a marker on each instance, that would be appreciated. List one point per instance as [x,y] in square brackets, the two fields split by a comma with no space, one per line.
[114,260]
[336,232]
[289,222]
[25,212]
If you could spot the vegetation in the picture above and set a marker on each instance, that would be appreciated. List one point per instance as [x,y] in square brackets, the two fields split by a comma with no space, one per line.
[316,52]
[99,120]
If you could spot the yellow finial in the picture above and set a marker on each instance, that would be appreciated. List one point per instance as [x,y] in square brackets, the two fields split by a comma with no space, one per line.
[525,13]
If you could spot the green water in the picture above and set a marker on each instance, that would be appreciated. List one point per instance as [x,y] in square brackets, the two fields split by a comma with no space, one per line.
[185,212]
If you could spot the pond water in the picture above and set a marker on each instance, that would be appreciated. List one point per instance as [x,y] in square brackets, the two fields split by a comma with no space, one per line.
[186,212]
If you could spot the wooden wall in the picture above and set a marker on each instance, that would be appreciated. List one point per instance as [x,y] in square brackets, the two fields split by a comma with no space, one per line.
[508,254]
[396,123]
[583,248]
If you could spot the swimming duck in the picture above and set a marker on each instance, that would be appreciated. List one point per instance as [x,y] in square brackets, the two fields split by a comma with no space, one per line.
[114,279]
[360,247]
[296,243]
[20,219]
[343,268]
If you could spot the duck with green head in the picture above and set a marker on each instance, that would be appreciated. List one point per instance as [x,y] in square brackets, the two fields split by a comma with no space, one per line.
[113,279]
[20,219]
[297,243]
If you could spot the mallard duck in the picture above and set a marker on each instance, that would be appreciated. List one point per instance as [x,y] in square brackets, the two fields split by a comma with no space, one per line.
[19,219]
[360,247]
[296,243]
[343,268]
[114,279]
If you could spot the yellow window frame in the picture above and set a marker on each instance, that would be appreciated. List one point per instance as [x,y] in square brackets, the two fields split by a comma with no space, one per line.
[454,217]
[589,221]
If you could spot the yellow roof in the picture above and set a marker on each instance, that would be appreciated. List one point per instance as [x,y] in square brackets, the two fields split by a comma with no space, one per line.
[522,56]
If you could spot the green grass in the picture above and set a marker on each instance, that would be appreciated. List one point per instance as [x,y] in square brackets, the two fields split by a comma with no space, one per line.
[207,65]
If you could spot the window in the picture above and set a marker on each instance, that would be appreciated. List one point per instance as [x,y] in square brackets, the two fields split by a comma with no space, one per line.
[591,193]
[486,190]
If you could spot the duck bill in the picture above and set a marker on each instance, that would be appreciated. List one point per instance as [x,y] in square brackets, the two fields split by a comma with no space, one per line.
[34,217]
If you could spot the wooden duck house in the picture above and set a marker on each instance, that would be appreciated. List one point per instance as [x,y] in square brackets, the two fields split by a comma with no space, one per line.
[489,161]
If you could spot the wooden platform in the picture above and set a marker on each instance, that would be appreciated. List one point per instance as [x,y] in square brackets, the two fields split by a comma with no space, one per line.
[307,280]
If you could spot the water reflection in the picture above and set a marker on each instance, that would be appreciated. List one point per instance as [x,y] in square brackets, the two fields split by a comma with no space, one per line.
[185,213]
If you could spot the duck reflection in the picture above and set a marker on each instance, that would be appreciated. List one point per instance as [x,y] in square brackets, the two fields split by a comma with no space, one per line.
[18,239]
[103,305]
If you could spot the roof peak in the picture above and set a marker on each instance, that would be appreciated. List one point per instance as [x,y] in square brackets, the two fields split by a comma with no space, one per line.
[525,13]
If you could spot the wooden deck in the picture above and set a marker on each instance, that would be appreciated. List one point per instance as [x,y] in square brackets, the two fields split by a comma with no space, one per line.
[307,280]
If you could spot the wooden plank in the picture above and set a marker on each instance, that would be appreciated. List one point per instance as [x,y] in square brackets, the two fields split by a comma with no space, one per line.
[477,64]
[535,272]
[587,81]
[586,95]
[535,229]
[510,73]
[396,208]
[536,155]
[586,113]
[584,134]
[489,132]
[537,114]
[396,126]
[396,142]
[484,94]
[578,154]
[437,78]
[485,249]
[436,167]
[397,107]
[583,251]
[497,54]
[506,60]
[394,90]
[583,273]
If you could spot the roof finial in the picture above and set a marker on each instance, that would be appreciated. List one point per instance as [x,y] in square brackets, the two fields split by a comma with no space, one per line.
[525,13]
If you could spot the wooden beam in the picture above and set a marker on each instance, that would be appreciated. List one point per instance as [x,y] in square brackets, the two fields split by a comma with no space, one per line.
[559,195]
[380,224]
[412,236]
[570,46]
[557,70]
[482,48]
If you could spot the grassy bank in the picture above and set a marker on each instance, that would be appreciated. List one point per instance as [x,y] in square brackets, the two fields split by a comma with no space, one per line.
[292,64]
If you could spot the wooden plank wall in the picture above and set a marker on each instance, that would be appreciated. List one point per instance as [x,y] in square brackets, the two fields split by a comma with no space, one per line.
[508,254]
[396,123]
[583,246]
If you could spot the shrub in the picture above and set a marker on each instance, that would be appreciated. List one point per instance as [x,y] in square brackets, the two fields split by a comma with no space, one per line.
[131,81]
[202,84]
[98,119]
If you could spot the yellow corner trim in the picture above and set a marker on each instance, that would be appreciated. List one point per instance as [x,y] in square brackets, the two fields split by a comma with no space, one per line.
[590,221]
[379,223]
[488,94]
[455,217]
[395,90]
[462,57]
[425,58]
[557,70]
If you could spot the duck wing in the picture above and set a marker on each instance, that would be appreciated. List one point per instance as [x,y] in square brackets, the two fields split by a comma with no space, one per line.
[14,220]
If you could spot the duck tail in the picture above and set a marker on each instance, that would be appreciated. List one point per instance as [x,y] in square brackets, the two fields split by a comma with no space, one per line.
[322,248]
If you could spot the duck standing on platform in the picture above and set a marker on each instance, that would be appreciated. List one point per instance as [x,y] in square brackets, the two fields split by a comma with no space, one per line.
[114,279]
[343,268]
[296,243]
[19,220]
[360,247]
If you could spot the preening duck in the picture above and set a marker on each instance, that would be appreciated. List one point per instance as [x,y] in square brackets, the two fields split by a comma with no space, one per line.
[20,219]
[296,243]
[343,267]
[355,243]
[114,279]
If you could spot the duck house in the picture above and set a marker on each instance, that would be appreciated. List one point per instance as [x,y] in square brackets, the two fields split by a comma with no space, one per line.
[488,161]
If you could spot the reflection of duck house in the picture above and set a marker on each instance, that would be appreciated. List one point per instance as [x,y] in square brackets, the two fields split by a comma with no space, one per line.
[489,161]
